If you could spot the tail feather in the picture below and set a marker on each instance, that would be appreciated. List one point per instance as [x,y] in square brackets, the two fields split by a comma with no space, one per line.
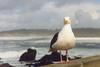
[50,50]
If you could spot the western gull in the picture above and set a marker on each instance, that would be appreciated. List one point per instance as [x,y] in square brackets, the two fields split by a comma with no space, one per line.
[64,39]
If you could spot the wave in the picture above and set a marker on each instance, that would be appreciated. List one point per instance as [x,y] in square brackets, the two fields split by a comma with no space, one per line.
[12,54]
[78,40]
[42,41]
[47,38]
[23,38]
[88,39]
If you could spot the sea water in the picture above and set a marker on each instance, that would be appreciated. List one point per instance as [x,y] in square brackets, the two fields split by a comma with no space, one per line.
[11,49]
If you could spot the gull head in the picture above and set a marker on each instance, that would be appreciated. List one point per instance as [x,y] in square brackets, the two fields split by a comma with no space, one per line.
[67,20]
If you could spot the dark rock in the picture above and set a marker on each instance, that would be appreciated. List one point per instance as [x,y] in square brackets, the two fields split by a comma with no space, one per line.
[54,56]
[6,65]
[48,59]
[29,55]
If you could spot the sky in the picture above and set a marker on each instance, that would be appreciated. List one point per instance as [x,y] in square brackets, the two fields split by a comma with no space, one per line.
[48,14]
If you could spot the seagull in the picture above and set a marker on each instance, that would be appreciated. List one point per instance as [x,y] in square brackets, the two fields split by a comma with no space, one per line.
[64,39]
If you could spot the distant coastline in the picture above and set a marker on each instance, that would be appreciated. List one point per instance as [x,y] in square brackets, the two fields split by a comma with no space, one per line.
[79,32]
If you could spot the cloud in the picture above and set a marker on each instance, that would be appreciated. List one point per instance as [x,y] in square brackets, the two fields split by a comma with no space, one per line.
[86,20]
[21,4]
[35,4]
[31,14]
[75,2]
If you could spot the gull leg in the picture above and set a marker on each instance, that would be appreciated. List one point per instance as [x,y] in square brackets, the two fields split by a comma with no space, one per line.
[67,60]
[60,57]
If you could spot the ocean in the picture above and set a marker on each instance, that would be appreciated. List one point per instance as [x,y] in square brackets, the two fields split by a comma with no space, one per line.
[11,48]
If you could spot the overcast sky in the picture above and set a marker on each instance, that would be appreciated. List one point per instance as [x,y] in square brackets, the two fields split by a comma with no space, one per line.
[48,14]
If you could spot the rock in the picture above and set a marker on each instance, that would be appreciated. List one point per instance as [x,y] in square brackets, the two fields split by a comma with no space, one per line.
[6,65]
[29,55]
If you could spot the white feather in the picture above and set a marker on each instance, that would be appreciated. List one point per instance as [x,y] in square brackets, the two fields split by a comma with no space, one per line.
[66,39]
